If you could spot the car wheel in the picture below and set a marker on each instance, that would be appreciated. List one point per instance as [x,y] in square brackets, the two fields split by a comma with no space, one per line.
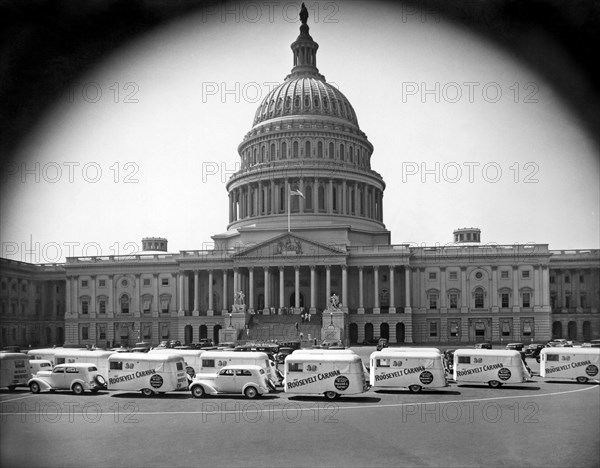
[494,384]
[537,359]
[415,388]
[147,392]
[251,392]
[331,395]
[77,389]
[198,391]
[582,379]
[34,387]
[100,381]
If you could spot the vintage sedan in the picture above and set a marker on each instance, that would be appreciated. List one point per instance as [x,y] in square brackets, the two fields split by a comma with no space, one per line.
[248,380]
[75,376]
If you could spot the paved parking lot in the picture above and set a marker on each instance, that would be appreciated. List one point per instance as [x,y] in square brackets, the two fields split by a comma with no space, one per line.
[535,424]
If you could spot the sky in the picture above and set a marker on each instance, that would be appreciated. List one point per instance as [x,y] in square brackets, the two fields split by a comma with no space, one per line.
[464,135]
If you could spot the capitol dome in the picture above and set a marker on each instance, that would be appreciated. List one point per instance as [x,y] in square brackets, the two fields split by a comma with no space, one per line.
[305,164]
[302,96]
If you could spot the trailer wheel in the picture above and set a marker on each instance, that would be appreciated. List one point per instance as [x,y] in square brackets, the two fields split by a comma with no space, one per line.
[198,391]
[77,389]
[331,395]
[251,392]
[494,384]
[415,388]
[537,359]
[34,387]
[11,388]
[582,379]
[147,392]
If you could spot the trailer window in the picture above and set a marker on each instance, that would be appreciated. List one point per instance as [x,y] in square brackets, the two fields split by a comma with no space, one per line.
[208,363]
[552,357]
[60,360]
[116,365]
[295,367]
[19,364]
[464,359]
[383,363]
[92,369]
[179,366]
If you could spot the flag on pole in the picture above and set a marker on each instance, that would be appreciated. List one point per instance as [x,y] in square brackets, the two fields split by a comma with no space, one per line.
[297,192]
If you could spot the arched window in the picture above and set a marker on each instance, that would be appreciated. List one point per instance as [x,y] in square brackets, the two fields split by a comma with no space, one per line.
[334,198]
[479,298]
[272,155]
[321,195]
[295,149]
[124,304]
[282,207]
[350,154]
[283,150]
[331,151]
[307,149]
[342,152]
[320,149]
[262,154]
[308,194]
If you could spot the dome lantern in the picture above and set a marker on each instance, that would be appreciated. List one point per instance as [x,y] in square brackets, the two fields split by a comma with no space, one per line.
[305,52]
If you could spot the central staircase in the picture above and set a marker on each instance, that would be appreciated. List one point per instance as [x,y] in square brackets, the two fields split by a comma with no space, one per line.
[280,328]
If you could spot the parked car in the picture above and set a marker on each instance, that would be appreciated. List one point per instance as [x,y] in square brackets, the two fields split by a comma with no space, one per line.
[248,380]
[382,343]
[331,344]
[483,346]
[515,346]
[533,351]
[591,344]
[76,376]
[283,352]
[372,341]
[559,342]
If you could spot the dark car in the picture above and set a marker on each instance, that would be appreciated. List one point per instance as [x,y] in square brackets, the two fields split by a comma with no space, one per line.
[483,346]
[372,341]
[533,351]
[283,352]
[515,346]
[382,343]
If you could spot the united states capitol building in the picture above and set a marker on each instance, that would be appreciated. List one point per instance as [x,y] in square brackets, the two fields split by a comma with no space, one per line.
[306,224]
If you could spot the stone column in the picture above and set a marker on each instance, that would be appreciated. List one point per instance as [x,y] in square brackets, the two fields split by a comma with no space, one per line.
[111,296]
[407,306]
[329,198]
[545,288]
[281,287]
[180,277]
[68,297]
[516,301]
[267,291]
[196,310]
[225,301]
[210,310]
[327,283]
[259,201]
[93,294]
[344,288]
[537,277]
[236,280]
[494,291]
[296,286]
[313,303]
[464,294]
[251,288]
[361,291]
[376,308]
[343,197]
[392,292]
[156,301]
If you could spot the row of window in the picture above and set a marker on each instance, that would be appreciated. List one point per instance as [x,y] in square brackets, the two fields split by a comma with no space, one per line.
[567,279]
[13,287]
[345,153]
[125,283]
[505,329]
[124,303]
[504,274]
[568,300]
[479,299]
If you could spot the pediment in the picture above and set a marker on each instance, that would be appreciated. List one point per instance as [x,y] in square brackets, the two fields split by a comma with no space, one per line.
[290,245]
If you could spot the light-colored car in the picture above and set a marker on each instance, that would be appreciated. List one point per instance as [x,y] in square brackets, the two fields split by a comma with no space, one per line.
[248,380]
[76,376]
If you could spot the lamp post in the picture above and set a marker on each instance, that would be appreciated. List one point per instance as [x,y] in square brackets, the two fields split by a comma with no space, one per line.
[230,325]
[331,319]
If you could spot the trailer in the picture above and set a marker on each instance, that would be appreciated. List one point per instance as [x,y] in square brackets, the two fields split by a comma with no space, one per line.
[580,364]
[414,370]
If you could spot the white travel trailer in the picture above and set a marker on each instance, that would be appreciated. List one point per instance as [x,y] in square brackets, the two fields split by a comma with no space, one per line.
[330,374]
[410,369]
[14,370]
[148,373]
[212,361]
[330,352]
[98,357]
[36,365]
[579,364]
[45,353]
[492,366]
[192,358]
